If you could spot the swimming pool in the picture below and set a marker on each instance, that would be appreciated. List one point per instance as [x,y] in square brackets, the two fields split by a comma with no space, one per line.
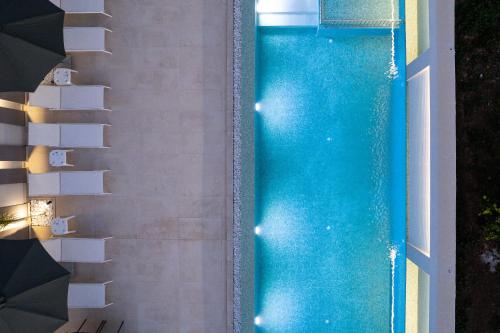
[330,193]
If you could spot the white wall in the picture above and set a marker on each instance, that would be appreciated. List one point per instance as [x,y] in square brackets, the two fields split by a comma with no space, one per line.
[12,194]
[436,201]
[419,161]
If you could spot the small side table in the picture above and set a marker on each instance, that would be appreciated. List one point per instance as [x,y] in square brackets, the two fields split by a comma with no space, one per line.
[59,158]
[60,226]
[62,76]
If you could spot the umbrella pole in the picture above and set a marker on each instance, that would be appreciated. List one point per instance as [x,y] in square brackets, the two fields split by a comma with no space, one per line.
[121,325]
[81,326]
[101,326]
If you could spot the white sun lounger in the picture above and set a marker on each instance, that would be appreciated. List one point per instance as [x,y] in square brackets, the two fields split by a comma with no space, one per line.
[88,295]
[82,6]
[70,97]
[66,135]
[67,183]
[80,250]
[86,39]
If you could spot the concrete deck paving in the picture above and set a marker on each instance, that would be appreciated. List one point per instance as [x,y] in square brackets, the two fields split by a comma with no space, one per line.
[170,212]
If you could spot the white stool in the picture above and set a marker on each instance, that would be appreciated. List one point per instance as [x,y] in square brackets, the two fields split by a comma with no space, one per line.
[62,76]
[59,158]
[60,226]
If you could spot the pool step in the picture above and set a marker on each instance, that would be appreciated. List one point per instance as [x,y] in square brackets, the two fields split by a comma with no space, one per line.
[377,17]
[333,31]
[287,13]
[360,23]
[359,14]
[324,14]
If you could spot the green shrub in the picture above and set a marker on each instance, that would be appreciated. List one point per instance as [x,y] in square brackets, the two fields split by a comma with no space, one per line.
[6,219]
[491,213]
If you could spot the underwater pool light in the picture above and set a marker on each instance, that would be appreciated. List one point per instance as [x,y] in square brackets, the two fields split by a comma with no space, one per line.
[258,320]
[258,107]
[258,230]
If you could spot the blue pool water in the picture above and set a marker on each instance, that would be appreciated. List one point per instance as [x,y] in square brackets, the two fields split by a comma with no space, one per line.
[330,183]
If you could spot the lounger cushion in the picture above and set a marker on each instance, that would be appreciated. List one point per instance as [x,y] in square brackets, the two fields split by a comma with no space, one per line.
[82,182]
[82,97]
[82,135]
[89,250]
[53,247]
[87,295]
[84,39]
[79,6]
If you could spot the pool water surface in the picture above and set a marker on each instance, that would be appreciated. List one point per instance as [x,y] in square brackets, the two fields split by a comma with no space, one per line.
[330,183]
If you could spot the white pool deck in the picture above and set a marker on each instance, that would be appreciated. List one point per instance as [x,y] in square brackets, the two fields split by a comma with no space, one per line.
[170,156]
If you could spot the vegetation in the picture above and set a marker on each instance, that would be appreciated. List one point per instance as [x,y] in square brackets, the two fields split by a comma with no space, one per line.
[6,219]
[491,213]
[478,157]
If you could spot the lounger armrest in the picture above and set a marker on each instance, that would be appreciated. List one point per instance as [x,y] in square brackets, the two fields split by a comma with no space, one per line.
[107,182]
[106,130]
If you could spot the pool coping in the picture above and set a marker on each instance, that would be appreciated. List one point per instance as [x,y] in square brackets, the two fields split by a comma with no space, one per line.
[237,110]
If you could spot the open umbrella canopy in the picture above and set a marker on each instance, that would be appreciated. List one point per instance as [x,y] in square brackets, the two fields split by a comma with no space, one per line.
[33,288]
[31,42]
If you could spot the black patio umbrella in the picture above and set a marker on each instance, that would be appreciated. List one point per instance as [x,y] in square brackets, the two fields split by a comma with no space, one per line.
[31,42]
[33,288]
